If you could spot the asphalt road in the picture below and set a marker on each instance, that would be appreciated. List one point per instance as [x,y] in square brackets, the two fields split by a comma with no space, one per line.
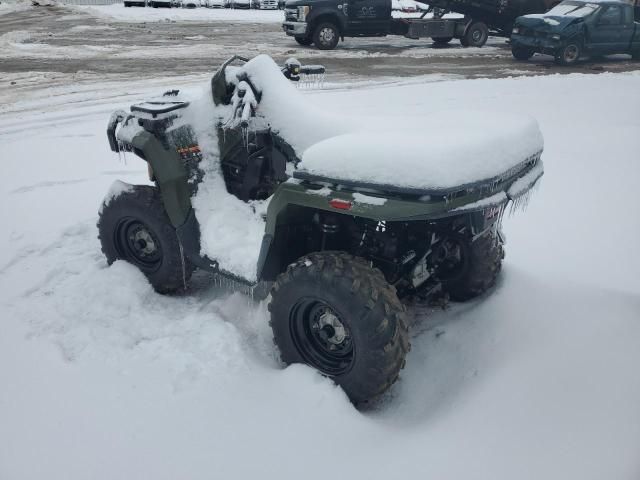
[68,41]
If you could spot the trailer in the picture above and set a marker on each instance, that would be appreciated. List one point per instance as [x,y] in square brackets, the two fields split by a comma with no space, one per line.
[470,31]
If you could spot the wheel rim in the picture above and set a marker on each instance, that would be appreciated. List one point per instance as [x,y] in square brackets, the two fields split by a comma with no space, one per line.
[327,35]
[571,53]
[136,243]
[321,337]
[476,36]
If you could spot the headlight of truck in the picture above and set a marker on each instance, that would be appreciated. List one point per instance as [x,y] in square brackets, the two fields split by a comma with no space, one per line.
[303,12]
[555,37]
[516,30]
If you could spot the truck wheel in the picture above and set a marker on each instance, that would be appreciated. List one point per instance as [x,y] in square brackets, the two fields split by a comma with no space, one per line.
[476,35]
[521,53]
[569,54]
[304,41]
[441,41]
[326,36]
[133,226]
[475,267]
[335,313]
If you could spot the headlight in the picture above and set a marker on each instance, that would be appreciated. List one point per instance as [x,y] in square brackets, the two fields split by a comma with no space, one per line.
[303,12]
[555,37]
[516,30]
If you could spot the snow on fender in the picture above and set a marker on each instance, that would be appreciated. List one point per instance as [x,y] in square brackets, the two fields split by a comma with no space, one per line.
[116,189]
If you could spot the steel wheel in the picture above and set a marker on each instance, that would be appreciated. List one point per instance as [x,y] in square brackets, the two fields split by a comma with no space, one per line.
[476,35]
[321,337]
[569,55]
[137,243]
[326,36]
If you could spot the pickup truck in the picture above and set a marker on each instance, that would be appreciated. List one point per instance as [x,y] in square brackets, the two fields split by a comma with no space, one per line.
[576,28]
[325,22]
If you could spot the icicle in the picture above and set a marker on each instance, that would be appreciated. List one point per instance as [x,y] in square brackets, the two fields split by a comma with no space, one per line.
[521,202]
[245,137]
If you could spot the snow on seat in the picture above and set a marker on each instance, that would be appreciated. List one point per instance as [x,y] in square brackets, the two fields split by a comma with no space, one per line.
[450,150]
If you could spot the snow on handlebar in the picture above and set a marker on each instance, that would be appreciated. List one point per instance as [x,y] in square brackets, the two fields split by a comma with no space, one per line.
[244,103]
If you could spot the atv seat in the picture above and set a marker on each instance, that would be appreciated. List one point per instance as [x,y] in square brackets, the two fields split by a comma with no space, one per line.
[410,163]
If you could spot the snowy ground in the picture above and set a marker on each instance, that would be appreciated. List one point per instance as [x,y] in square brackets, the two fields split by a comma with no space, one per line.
[103,378]
[151,43]
[143,15]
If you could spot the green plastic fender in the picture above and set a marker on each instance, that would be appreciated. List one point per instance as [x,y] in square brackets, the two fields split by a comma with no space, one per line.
[170,174]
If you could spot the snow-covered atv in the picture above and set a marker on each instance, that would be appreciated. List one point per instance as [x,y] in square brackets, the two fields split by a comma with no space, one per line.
[342,216]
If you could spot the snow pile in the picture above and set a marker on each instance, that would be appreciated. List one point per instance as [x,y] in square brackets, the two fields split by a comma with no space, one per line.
[455,148]
[288,111]
[116,189]
[14,6]
[368,199]
[408,6]
[231,230]
[568,10]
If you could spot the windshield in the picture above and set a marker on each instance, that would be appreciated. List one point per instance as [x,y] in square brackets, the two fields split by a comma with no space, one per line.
[573,9]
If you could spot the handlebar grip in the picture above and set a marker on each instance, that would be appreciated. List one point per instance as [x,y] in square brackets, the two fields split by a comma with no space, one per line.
[312,69]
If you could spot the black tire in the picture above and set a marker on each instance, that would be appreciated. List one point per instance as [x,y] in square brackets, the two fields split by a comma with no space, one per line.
[569,54]
[441,41]
[521,53]
[476,35]
[480,265]
[304,41]
[335,313]
[326,36]
[134,227]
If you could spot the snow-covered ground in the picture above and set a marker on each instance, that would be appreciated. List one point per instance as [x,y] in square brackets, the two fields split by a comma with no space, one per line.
[12,6]
[102,378]
[118,12]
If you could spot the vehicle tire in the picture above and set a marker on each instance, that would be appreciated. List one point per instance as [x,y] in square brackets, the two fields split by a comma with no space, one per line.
[476,35]
[569,54]
[134,227]
[522,53]
[337,314]
[480,264]
[441,41]
[326,36]
[304,41]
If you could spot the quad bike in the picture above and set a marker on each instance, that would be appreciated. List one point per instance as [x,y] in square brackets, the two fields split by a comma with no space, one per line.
[339,253]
